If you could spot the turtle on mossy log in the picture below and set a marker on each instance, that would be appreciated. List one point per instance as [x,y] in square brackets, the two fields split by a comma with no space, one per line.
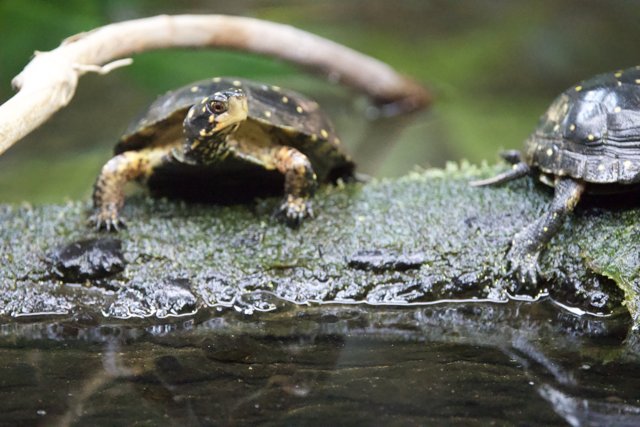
[588,141]
[225,138]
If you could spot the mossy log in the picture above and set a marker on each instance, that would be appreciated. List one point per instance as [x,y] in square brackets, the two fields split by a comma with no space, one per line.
[421,238]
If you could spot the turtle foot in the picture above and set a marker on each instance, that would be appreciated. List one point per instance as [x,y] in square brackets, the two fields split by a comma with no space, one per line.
[523,266]
[294,210]
[107,220]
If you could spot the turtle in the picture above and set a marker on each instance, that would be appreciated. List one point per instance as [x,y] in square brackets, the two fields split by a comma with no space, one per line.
[587,142]
[225,131]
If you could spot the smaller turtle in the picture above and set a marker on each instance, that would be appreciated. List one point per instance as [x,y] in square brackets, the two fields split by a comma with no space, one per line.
[588,141]
[225,129]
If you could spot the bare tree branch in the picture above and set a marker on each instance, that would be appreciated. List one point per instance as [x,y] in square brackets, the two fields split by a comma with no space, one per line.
[49,81]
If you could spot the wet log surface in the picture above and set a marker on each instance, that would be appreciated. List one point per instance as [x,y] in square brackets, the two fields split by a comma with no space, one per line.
[425,237]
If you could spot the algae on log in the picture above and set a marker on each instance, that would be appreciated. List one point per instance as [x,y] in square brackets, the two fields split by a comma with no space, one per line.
[425,237]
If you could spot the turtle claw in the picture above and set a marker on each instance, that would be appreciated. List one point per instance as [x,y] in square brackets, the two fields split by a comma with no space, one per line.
[107,222]
[523,266]
[525,270]
[294,210]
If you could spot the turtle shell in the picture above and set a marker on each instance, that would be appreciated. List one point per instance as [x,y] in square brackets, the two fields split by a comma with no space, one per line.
[591,131]
[291,119]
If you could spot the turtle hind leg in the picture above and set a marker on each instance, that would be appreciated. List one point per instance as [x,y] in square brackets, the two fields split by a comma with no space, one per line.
[511,156]
[529,242]
[518,170]
[108,191]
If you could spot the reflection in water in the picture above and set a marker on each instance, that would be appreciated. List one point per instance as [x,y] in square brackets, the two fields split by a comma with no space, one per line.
[590,412]
[527,354]
[453,363]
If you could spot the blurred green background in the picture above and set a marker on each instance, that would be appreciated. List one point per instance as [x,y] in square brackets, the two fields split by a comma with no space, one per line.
[494,66]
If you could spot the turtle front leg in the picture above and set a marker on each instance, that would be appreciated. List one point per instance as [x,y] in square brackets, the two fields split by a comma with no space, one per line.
[300,183]
[528,243]
[108,191]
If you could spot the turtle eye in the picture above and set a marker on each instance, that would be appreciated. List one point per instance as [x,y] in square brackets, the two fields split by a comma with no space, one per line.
[217,107]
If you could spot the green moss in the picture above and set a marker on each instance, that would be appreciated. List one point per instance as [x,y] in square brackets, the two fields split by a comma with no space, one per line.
[424,237]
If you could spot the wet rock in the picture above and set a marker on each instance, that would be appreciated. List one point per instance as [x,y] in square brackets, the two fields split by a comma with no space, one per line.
[171,297]
[87,259]
[216,289]
[383,260]
[33,300]
[174,298]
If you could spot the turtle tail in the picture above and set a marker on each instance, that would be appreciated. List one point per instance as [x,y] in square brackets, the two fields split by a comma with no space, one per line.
[518,170]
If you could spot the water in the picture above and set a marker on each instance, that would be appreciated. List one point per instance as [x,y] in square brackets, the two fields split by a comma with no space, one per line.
[459,364]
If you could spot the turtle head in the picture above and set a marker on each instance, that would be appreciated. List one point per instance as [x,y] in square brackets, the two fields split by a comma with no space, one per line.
[209,122]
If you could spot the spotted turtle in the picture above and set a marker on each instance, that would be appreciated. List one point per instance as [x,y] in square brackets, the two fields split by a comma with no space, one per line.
[225,130]
[588,141]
